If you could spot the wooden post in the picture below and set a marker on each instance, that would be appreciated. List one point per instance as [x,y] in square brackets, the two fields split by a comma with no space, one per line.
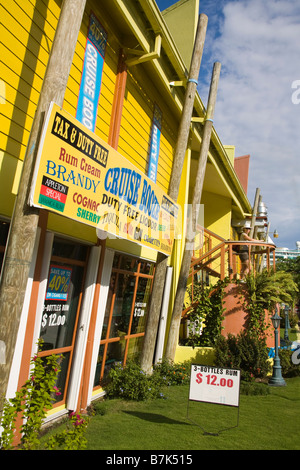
[254,212]
[180,150]
[23,228]
[189,242]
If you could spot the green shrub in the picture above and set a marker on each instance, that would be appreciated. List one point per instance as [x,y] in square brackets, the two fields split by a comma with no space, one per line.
[132,383]
[288,369]
[206,312]
[245,352]
[174,374]
[252,388]
[71,438]
[31,403]
[99,408]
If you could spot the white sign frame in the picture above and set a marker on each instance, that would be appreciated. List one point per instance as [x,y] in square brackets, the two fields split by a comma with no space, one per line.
[217,385]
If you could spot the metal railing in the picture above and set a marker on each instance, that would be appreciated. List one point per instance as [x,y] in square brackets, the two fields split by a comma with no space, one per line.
[219,258]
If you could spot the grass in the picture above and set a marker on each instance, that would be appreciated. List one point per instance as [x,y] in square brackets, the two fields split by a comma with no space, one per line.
[293,334]
[265,422]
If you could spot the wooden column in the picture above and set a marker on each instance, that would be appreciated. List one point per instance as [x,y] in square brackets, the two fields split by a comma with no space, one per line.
[189,242]
[180,150]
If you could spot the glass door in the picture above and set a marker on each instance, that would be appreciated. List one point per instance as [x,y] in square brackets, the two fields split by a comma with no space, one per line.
[62,305]
[126,313]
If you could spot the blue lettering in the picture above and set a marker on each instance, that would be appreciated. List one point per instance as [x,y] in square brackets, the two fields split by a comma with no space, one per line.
[107,182]
[123,183]
[77,179]
[71,177]
[51,168]
[149,202]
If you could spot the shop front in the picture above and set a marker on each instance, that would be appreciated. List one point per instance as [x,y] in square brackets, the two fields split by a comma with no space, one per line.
[63,317]
[93,299]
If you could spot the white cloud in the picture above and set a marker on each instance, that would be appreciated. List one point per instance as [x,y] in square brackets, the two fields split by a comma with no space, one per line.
[258,47]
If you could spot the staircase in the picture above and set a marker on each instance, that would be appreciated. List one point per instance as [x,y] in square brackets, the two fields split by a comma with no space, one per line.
[217,258]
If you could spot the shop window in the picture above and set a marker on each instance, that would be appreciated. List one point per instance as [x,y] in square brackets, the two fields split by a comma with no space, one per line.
[126,313]
[62,305]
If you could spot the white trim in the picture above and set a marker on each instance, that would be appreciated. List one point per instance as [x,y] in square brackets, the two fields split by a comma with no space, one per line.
[105,280]
[163,317]
[83,328]
[17,357]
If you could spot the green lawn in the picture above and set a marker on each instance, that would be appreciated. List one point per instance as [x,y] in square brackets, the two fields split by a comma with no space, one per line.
[293,334]
[265,422]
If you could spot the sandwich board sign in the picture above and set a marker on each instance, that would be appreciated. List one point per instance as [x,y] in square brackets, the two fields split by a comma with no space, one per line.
[216,385]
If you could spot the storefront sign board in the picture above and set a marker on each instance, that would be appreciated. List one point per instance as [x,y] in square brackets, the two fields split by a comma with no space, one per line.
[214,385]
[80,176]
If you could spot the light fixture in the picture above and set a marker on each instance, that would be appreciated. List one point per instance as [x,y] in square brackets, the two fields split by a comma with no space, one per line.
[276,379]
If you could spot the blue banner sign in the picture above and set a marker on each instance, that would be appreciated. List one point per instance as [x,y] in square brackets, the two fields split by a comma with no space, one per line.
[91,74]
[155,143]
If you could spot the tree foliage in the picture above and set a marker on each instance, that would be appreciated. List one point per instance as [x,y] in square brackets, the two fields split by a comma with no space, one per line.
[291,267]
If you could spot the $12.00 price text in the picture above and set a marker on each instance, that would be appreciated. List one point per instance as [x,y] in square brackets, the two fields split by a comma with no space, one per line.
[213,380]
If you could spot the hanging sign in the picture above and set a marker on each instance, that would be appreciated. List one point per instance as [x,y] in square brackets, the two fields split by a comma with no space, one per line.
[80,176]
[214,385]
[155,144]
[91,78]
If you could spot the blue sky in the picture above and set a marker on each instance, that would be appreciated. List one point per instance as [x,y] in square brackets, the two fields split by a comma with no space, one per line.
[258,105]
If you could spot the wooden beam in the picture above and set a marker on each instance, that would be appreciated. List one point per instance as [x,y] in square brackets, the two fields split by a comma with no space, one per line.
[180,150]
[192,224]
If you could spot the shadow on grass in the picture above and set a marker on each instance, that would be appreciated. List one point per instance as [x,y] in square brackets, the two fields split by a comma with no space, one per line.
[154,417]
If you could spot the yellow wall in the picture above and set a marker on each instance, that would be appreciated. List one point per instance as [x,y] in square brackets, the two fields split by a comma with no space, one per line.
[182,20]
[136,124]
[230,150]
[26,34]
[217,214]
[26,38]
[197,355]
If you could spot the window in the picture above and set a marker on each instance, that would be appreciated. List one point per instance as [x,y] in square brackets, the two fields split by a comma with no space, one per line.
[62,305]
[126,313]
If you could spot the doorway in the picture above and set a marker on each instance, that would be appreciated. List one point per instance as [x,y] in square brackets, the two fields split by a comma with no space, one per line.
[125,314]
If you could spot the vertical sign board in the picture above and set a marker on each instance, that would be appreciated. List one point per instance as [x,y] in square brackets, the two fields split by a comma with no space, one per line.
[155,143]
[215,385]
[91,74]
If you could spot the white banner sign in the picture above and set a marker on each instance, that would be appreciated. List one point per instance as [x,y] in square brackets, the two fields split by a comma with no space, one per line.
[214,385]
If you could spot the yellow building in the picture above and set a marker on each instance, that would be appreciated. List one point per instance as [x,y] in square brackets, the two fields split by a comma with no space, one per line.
[88,292]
